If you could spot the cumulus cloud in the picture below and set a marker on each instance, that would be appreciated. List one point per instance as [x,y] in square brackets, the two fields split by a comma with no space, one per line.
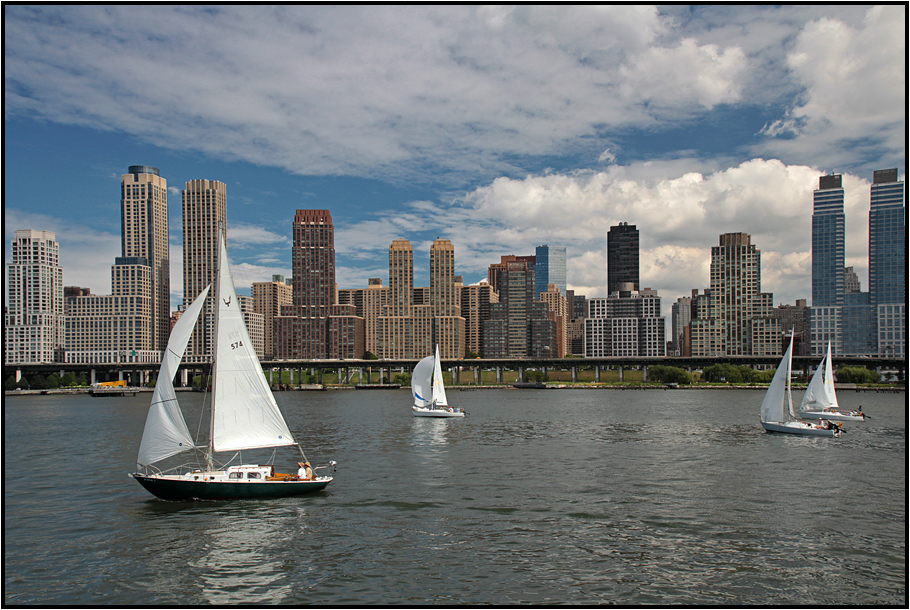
[853,102]
[361,90]
[679,219]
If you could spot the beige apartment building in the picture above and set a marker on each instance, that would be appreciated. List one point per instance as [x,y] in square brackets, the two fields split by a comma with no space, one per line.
[734,317]
[268,298]
[33,328]
[204,211]
[144,222]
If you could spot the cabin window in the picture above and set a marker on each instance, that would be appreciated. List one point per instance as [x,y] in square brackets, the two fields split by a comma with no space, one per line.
[236,475]
[253,475]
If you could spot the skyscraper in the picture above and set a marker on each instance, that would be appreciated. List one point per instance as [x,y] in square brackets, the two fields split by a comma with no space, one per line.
[888,262]
[550,268]
[519,324]
[144,235]
[132,323]
[204,214]
[738,318]
[622,257]
[33,326]
[828,242]
[448,324]
[314,325]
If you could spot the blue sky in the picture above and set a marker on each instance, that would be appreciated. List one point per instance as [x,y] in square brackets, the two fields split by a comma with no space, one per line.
[499,128]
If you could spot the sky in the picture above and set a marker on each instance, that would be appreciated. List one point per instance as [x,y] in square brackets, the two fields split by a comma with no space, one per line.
[500,128]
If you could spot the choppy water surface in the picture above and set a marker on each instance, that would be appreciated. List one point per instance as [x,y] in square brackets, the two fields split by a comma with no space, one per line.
[547,496]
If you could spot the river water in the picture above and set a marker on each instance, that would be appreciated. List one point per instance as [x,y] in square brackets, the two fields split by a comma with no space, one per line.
[537,496]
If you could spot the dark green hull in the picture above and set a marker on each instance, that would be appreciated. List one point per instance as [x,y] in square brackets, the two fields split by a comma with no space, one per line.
[173,489]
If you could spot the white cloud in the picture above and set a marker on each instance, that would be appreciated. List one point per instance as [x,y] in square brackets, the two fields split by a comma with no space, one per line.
[853,104]
[363,90]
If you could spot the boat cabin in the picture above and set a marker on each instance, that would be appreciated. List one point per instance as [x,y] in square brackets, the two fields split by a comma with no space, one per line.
[244,472]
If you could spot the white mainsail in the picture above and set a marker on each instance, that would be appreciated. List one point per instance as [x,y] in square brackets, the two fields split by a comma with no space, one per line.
[165,432]
[439,388]
[773,408]
[422,382]
[244,412]
[820,394]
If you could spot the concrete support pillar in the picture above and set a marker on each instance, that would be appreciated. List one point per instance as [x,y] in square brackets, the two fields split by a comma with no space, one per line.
[597,373]
[574,374]
[521,373]
[620,374]
[644,374]
[499,374]
[319,377]
[477,375]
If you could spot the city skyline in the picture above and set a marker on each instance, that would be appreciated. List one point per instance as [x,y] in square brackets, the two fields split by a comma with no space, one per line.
[503,130]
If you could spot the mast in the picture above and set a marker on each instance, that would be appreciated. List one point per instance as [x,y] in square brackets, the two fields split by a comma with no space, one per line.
[211,450]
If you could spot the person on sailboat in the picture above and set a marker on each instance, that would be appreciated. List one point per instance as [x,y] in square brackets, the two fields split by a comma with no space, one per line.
[304,473]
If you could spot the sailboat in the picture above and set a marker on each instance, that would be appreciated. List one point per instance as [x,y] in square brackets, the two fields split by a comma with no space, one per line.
[244,415]
[429,390]
[820,399]
[777,413]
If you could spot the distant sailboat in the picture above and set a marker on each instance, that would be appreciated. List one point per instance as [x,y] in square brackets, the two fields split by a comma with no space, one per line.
[777,413]
[820,400]
[429,391]
[244,414]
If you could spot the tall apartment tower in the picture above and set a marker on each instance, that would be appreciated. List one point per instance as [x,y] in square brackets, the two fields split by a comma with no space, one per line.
[445,304]
[828,242]
[314,325]
[550,268]
[622,257]
[519,324]
[888,262]
[144,222]
[475,308]
[395,329]
[204,214]
[33,322]
[740,318]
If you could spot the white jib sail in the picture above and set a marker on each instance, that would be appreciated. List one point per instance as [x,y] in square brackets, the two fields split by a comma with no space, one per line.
[816,396]
[773,408]
[439,388]
[165,431]
[830,394]
[422,382]
[245,415]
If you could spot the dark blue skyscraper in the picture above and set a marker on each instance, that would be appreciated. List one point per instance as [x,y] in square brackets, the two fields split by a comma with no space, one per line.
[887,256]
[828,243]
[550,267]
[888,263]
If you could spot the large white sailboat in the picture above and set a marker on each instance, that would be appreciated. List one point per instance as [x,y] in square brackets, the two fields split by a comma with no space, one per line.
[429,390]
[244,415]
[777,413]
[820,399]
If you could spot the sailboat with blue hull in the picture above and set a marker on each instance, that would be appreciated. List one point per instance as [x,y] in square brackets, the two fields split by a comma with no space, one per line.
[244,415]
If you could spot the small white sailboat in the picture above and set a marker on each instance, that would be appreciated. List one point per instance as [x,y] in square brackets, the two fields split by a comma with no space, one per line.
[777,414]
[820,400]
[429,391]
[244,415]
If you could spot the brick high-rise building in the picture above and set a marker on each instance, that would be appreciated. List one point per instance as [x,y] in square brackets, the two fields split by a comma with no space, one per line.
[314,325]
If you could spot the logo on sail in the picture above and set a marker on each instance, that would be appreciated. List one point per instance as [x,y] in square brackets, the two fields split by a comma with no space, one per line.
[227,302]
